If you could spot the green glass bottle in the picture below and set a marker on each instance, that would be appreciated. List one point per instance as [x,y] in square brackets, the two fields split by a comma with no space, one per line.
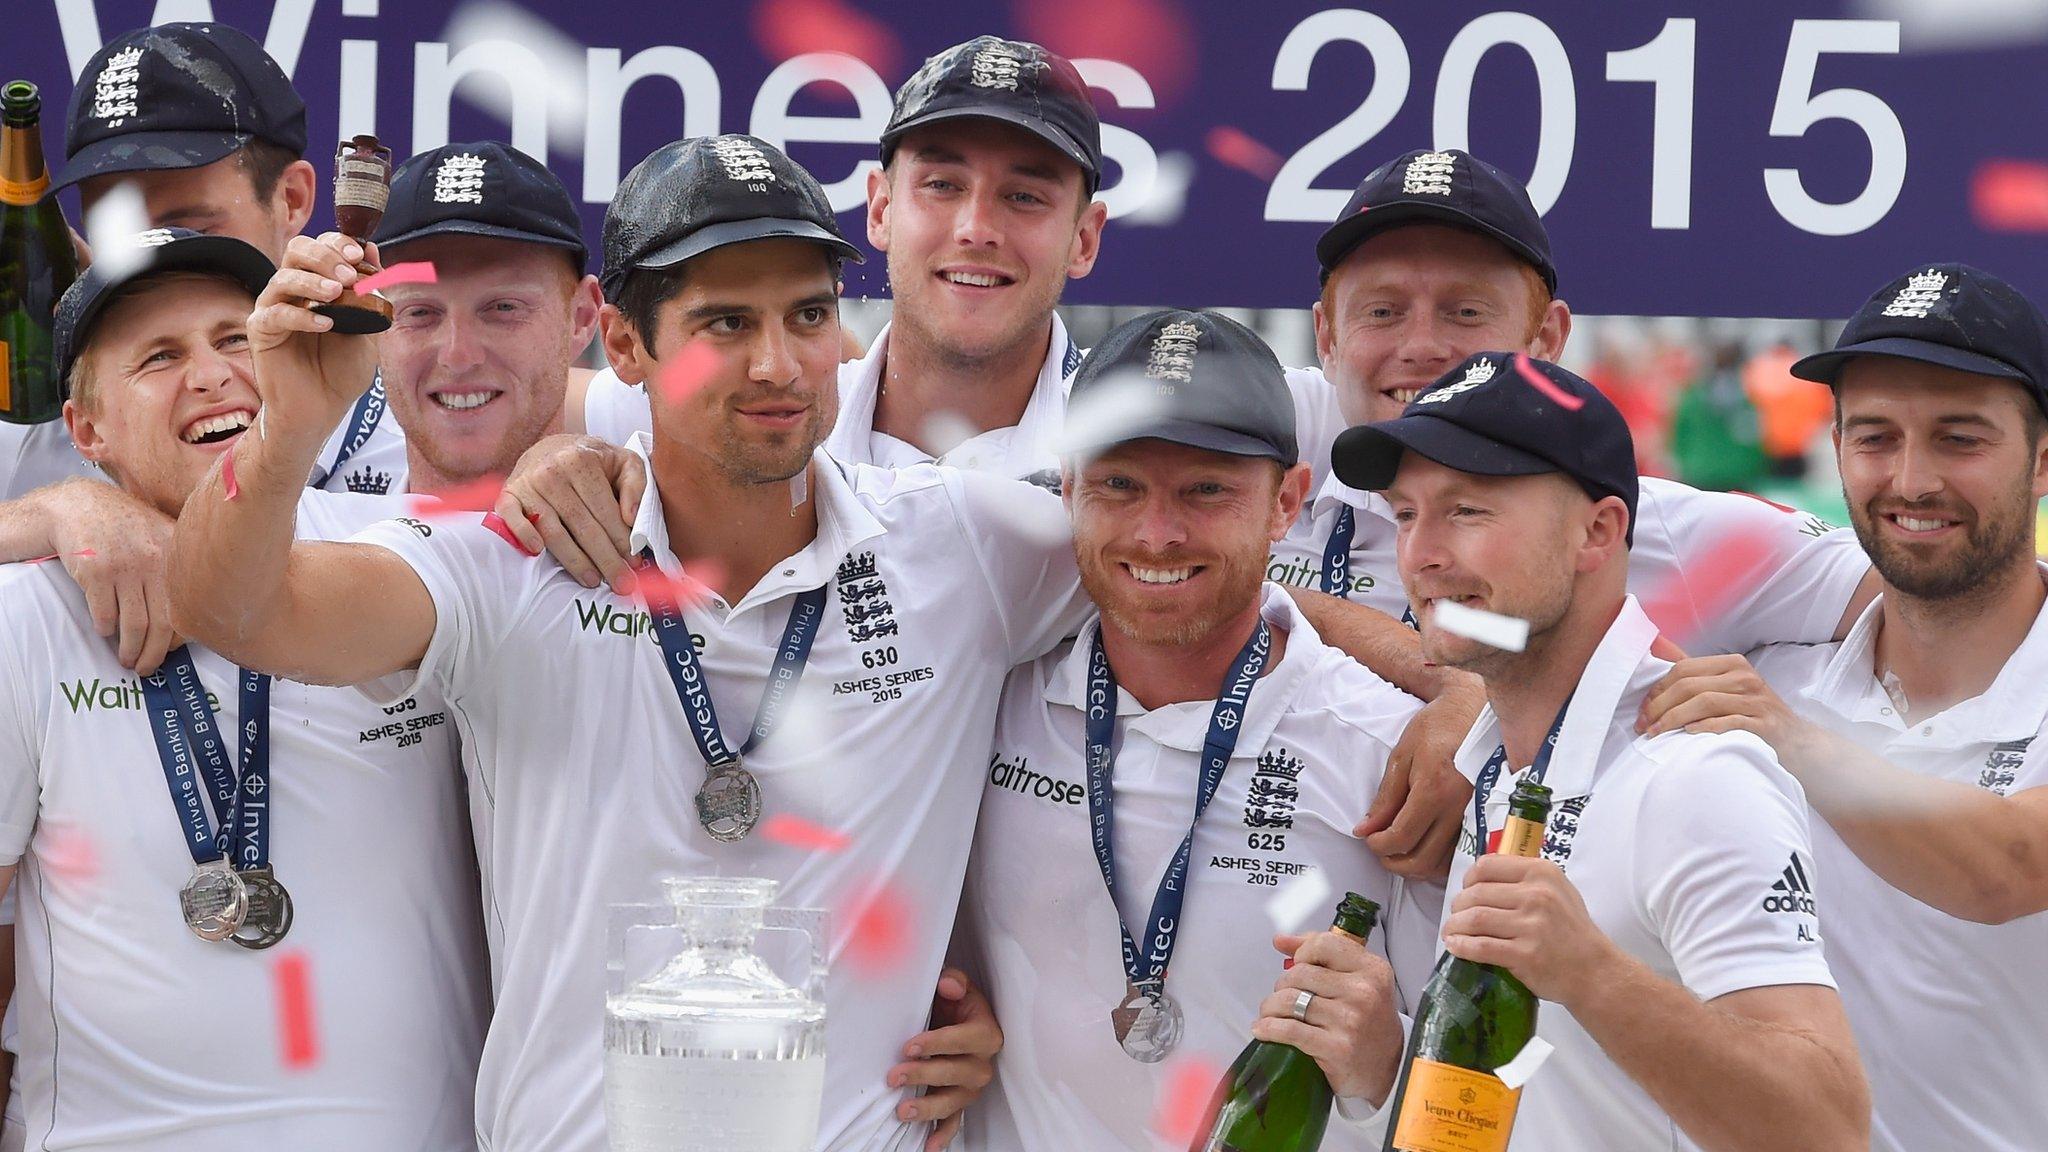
[37,263]
[1275,1098]
[1473,1018]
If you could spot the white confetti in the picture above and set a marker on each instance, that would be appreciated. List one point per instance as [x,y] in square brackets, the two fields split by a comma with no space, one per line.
[506,33]
[1516,1072]
[945,430]
[1303,897]
[1110,413]
[1508,633]
[111,227]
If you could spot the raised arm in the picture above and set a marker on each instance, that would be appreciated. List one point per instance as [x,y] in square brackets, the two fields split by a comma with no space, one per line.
[316,613]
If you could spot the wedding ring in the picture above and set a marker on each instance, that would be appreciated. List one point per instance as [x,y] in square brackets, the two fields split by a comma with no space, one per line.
[1302,1000]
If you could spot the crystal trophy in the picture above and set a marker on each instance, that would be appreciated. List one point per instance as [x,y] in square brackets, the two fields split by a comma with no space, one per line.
[362,188]
[714,1051]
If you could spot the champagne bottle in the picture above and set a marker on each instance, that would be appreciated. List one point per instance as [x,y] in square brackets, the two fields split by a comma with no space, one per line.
[37,263]
[1275,1098]
[1473,1018]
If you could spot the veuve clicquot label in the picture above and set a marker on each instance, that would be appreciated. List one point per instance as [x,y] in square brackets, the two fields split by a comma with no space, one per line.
[1451,1109]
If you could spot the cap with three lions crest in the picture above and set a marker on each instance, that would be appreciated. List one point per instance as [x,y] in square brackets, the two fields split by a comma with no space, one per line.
[480,189]
[157,251]
[1199,379]
[176,95]
[1012,81]
[1951,315]
[691,196]
[1484,417]
[1442,187]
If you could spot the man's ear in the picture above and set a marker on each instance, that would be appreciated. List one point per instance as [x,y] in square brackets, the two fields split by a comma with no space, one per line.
[295,198]
[1293,494]
[878,209]
[85,432]
[1606,534]
[586,302]
[1551,334]
[1087,240]
[622,346]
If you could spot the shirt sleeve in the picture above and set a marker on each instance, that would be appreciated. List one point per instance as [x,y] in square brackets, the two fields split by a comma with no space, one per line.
[473,575]
[1724,866]
[1727,572]
[613,410]
[1024,549]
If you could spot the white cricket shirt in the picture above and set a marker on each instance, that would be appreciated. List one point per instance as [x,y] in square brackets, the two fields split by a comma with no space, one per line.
[1691,853]
[1948,1013]
[1040,926]
[136,1034]
[939,581]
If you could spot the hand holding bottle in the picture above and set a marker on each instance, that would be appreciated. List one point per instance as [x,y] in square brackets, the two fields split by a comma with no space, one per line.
[1523,915]
[300,360]
[1353,1030]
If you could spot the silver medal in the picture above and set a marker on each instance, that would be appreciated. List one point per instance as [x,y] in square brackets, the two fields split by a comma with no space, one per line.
[729,803]
[1148,1024]
[270,910]
[214,901]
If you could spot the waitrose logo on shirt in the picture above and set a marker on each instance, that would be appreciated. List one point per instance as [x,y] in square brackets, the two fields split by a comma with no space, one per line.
[123,695]
[596,616]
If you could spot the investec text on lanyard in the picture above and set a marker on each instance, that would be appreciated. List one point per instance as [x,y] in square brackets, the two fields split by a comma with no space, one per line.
[1490,775]
[233,893]
[729,801]
[1148,1023]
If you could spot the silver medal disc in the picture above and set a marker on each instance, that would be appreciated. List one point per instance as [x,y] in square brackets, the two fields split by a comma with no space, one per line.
[214,901]
[270,910]
[729,803]
[1148,1025]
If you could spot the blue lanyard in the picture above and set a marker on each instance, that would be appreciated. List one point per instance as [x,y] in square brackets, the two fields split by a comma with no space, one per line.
[1482,788]
[687,673]
[1148,969]
[362,420]
[188,745]
[1336,575]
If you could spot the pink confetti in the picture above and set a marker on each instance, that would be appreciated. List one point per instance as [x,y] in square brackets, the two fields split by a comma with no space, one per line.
[797,832]
[291,980]
[1690,599]
[686,372]
[1234,147]
[2010,195]
[1543,384]
[227,472]
[67,853]
[786,28]
[1148,35]
[411,272]
[1187,1100]
[878,931]
[496,523]
[658,590]
[81,554]
[479,495]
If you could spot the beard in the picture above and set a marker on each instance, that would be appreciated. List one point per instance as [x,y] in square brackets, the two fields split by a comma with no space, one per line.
[771,460]
[1232,587]
[1544,607]
[987,339]
[1994,539]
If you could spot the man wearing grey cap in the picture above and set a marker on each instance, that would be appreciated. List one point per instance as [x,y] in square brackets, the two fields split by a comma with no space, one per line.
[1162,776]
[1921,738]
[602,732]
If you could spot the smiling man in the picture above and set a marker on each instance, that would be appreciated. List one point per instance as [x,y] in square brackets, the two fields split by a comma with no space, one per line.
[101,779]
[1919,738]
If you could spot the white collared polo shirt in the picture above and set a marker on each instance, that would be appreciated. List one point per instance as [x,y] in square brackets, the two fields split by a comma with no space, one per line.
[1041,928]
[1691,853]
[1681,547]
[134,1033]
[1948,1013]
[938,582]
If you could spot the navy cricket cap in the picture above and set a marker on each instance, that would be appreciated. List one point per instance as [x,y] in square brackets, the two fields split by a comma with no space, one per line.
[1483,417]
[160,250]
[176,96]
[1012,81]
[705,192]
[1449,187]
[482,189]
[1199,379]
[1951,315]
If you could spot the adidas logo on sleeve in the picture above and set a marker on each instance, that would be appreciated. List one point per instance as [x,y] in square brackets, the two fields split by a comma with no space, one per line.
[1792,892]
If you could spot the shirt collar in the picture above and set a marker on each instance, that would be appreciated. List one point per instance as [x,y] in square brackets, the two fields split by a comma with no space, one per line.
[1621,665]
[1335,494]
[1027,447]
[844,523]
[2013,707]
[1185,726]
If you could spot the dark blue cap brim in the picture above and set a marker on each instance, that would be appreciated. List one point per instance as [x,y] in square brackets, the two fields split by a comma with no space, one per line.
[1341,238]
[739,232]
[1207,437]
[1065,144]
[1826,367]
[223,255]
[147,152]
[491,231]
[1367,457]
